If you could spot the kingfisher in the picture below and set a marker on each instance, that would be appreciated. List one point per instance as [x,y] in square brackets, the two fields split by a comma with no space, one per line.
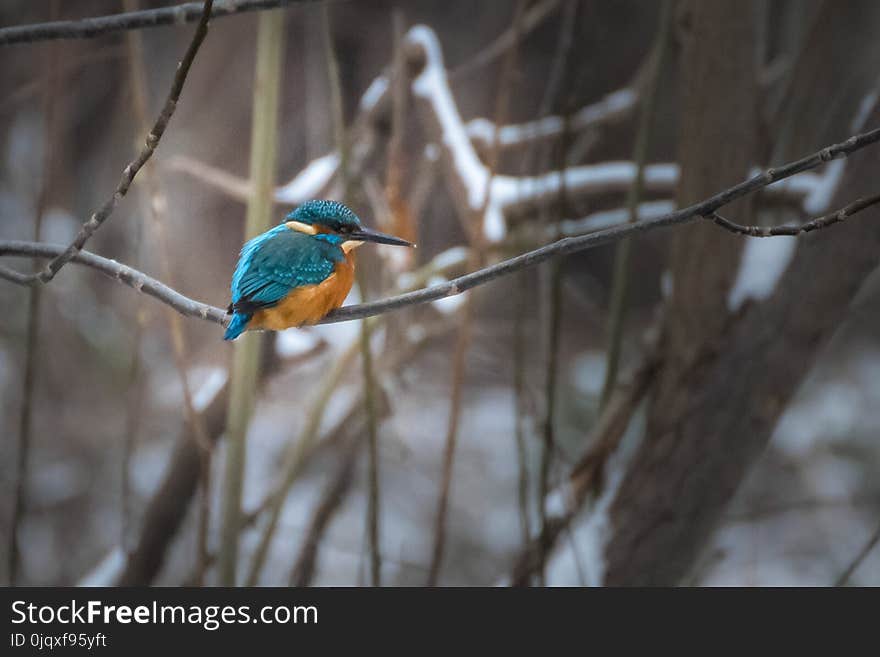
[300,270]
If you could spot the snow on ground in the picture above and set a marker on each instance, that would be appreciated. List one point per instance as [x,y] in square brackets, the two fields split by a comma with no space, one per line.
[810,504]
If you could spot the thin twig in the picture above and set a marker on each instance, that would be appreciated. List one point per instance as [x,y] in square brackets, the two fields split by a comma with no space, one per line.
[620,281]
[89,28]
[576,557]
[806,505]
[793,230]
[50,117]
[534,16]
[305,445]
[548,443]
[334,495]
[154,203]
[342,148]
[134,393]
[167,507]
[519,397]
[133,407]
[244,373]
[130,171]
[551,93]
[587,474]
[296,457]
[24,436]
[553,326]
[455,399]
[552,279]
[871,543]
[464,335]
[401,219]
[308,441]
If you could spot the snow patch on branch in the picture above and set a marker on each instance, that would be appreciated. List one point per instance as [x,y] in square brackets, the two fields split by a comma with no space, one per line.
[446,305]
[819,198]
[213,382]
[432,85]
[591,534]
[494,226]
[295,342]
[444,261]
[761,266]
[309,182]
[869,102]
[611,106]
[615,217]
[374,93]
[585,179]
[454,257]
[107,571]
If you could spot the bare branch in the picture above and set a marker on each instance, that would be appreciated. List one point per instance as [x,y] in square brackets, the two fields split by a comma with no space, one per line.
[115,270]
[613,107]
[587,475]
[617,306]
[341,139]
[130,171]
[532,19]
[550,279]
[334,495]
[89,28]
[50,85]
[819,222]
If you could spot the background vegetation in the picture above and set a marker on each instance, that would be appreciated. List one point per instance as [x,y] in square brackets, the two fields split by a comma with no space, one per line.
[685,405]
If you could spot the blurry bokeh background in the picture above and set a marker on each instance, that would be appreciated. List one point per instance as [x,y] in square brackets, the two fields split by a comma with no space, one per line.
[68,125]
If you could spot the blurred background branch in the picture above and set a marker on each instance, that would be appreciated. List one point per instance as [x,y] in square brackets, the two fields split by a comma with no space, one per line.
[90,28]
[244,372]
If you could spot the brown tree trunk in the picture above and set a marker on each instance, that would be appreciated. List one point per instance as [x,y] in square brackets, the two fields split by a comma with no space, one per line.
[717,149]
[726,379]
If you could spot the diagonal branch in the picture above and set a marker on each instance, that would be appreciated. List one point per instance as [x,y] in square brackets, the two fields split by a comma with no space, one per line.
[534,16]
[130,171]
[872,542]
[89,28]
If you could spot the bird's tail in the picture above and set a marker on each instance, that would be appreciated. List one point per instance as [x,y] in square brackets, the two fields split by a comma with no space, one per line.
[237,325]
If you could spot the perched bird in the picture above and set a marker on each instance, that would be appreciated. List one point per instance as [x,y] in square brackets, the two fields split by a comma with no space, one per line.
[299,271]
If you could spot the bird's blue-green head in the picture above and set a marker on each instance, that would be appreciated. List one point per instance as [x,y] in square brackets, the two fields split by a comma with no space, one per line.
[320,217]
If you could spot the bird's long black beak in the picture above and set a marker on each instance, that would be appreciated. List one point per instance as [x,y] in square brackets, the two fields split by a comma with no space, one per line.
[370,235]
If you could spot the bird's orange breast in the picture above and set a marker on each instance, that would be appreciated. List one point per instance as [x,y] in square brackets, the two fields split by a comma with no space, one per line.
[308,304]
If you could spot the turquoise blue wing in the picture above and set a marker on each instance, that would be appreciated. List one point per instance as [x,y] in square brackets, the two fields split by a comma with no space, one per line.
[276,262]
